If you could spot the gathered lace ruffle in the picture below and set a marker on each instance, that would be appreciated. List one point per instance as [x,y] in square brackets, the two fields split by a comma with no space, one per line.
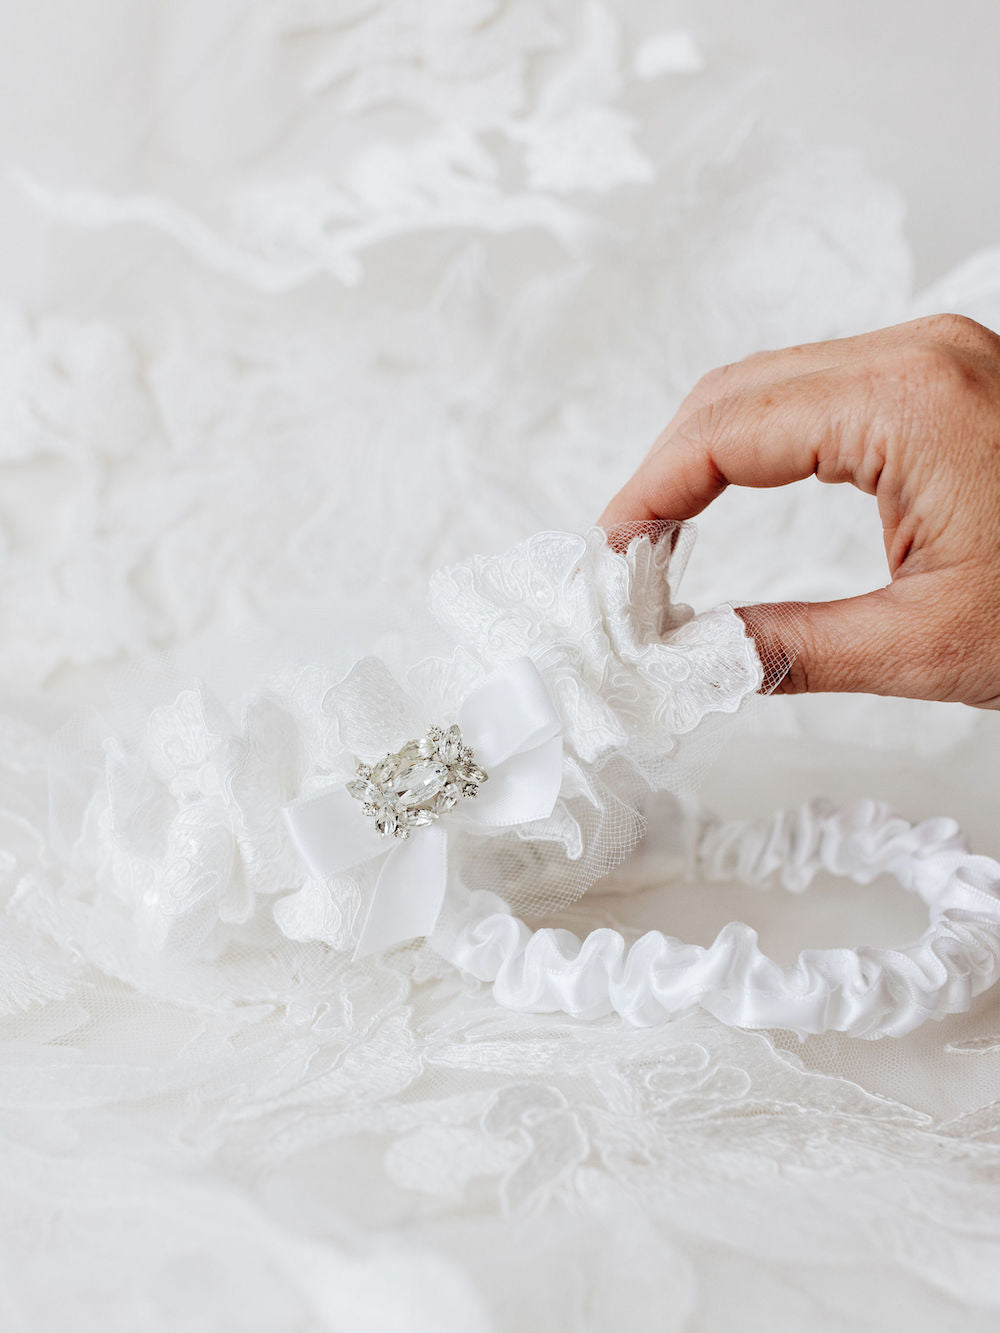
[184,826]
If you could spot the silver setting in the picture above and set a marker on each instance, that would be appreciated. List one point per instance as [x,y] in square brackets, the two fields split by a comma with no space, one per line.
[419,783]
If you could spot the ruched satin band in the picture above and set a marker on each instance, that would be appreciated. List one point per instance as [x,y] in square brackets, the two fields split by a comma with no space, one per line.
[865,992]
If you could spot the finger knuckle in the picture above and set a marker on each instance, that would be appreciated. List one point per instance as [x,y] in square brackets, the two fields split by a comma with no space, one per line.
[957,330]
[795,679]
[706,424]
[715,383]
[933,367]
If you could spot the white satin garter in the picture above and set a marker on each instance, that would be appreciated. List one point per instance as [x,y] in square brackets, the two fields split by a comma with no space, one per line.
[498,780]
[865,992]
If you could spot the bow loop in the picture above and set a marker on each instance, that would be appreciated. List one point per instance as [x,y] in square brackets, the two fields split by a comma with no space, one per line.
[509,713]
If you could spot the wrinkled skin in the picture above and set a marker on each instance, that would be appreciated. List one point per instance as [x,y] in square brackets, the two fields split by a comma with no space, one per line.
[909,414]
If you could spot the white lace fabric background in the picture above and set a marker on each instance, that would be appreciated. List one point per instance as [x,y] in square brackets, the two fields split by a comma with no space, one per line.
[304,299]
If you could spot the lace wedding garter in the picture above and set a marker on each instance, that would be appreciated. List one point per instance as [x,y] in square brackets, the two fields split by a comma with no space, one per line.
[467,792]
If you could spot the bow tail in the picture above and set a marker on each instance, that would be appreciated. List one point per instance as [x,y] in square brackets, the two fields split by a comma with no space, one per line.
[408,894]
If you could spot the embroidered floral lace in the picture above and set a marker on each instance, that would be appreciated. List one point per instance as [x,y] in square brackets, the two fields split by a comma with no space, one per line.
[301,310]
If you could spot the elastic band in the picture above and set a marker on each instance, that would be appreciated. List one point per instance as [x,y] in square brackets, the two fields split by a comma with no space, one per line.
[865,992]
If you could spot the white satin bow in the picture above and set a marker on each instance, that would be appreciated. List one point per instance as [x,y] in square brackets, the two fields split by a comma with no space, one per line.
[514,730]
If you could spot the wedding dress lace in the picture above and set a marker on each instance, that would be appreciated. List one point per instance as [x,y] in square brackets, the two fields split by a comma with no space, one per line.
[317,319]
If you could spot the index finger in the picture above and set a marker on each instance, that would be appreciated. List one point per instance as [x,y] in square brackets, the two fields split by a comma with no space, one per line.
[814,424]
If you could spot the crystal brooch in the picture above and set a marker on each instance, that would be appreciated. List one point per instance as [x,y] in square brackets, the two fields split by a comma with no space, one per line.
[419,783]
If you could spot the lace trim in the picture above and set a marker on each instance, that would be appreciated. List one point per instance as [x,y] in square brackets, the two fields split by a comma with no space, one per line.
[187,821]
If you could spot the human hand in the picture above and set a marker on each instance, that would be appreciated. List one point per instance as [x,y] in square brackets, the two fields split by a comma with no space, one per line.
[909,414]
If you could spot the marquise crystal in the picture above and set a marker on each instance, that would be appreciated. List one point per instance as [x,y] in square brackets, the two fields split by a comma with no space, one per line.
[418,783]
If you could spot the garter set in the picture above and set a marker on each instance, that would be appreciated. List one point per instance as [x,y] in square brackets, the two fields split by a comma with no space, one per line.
[522,766]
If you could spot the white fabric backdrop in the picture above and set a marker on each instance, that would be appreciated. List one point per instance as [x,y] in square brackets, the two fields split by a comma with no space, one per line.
[302,300]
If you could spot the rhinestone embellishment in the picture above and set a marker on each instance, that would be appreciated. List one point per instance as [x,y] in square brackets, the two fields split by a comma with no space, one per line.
[418,783]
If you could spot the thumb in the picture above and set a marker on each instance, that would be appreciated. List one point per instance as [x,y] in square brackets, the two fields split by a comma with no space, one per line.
[875,644]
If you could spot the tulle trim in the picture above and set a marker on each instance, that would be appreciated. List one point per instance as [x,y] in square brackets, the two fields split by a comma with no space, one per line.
[864,992]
